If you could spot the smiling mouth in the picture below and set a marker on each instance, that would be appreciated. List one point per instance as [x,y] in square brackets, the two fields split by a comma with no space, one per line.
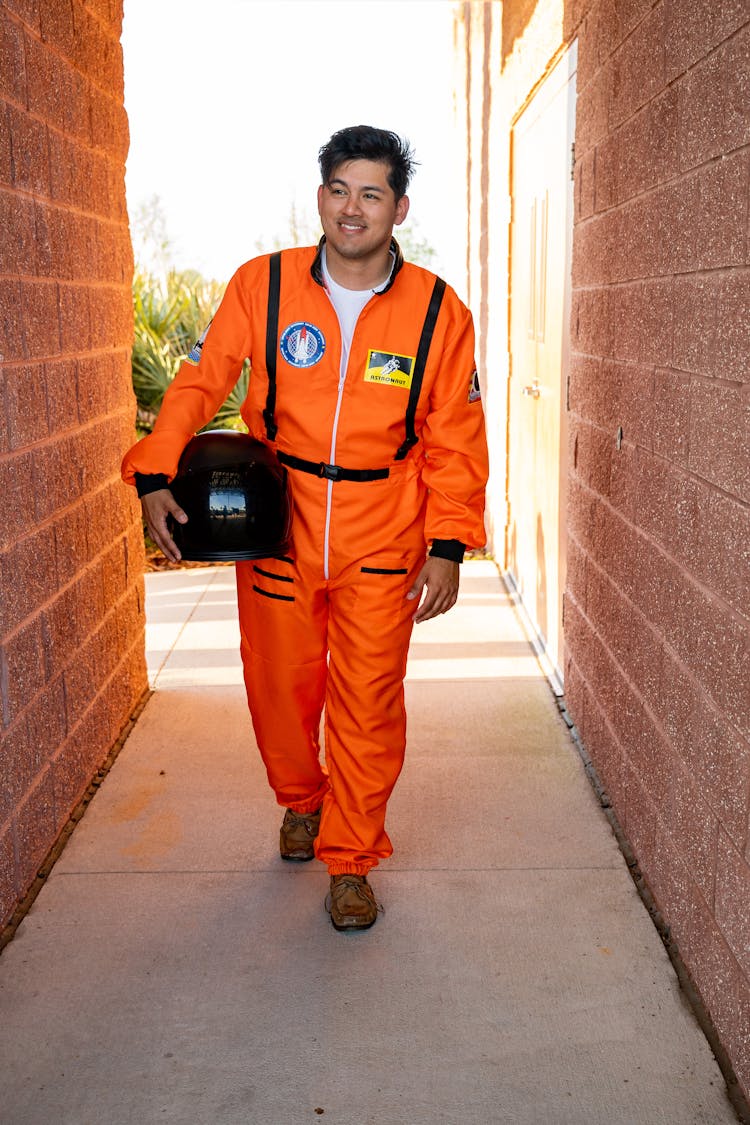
[351,226]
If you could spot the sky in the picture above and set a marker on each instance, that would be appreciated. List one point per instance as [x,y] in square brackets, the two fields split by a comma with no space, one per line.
[229,102]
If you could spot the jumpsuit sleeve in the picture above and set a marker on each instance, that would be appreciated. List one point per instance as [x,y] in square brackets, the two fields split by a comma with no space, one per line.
[455,443]
[197,391]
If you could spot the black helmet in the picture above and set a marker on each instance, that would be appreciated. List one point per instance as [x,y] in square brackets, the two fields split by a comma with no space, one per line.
[234,492]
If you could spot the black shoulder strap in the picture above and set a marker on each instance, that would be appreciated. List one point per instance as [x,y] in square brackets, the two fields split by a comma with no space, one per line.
[422,351]
[272,335]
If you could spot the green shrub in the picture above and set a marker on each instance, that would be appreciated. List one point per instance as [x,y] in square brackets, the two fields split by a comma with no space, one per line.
[170,315]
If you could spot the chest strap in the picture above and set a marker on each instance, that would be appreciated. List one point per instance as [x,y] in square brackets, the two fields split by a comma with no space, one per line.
[425,340]
[331,472]
[272,335]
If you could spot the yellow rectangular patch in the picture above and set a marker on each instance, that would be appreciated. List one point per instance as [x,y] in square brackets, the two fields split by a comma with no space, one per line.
[392,370]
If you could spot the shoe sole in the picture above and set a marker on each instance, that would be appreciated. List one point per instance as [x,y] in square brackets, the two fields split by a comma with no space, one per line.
[352,929]
[297,858]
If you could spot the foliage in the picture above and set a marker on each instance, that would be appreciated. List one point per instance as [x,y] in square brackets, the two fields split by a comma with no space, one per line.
[170,315]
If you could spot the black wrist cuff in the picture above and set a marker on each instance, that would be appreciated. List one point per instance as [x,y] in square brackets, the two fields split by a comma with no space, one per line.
[452,549]
[150,482]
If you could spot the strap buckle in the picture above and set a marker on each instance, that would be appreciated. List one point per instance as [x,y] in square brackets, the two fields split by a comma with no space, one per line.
[330,472]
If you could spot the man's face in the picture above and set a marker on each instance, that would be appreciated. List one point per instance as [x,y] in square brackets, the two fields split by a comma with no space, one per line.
[358,209]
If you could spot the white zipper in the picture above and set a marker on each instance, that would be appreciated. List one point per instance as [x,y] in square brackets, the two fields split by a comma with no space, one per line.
[332,455]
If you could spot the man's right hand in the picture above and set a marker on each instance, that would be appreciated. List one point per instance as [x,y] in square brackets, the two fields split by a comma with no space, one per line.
[156,507]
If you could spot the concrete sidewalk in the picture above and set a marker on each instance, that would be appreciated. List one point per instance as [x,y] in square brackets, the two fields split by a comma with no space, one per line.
[174,970]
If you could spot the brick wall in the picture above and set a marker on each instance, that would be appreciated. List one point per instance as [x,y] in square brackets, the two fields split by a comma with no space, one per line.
[71,612]
[657,610]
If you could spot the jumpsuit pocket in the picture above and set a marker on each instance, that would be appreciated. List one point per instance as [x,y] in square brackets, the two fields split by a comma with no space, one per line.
[383,570]
[280,592]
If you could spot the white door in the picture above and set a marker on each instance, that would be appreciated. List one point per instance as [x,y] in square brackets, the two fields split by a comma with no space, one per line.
[541,237]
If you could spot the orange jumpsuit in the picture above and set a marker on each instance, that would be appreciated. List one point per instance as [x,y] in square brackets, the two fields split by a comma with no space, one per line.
[328,627]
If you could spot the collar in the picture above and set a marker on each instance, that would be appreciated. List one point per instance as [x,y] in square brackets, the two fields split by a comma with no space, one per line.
[316,269]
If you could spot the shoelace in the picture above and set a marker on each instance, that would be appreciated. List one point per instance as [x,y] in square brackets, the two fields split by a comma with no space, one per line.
[361,891]
[308,821]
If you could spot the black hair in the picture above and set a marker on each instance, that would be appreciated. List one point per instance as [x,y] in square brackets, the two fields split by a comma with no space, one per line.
[365,142]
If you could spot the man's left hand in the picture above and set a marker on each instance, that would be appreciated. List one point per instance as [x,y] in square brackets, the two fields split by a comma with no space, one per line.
[440,578]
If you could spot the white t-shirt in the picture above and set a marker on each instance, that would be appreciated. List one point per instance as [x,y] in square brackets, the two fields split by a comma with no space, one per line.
[348,304]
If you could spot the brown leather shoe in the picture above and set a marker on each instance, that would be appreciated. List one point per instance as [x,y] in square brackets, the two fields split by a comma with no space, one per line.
[351,903]
[297,835]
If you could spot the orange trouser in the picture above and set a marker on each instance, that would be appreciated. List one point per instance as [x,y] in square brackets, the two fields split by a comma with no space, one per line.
[308,643]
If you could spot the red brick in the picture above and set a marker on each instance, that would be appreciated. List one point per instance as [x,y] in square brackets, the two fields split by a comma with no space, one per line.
[715,645]
[62,395]
[736,65]
[693,829]
[694,27]
[54,479]
[585,395]
[25,405]
[109,125]
[656,318]
[46,723]
[720,218]
[721,549]
[28,10]
[681,224]
[77,102]
[29,152]
[4,442]
[732,341]
[695,300]
[47,79]
[74,318]
[99,54]
[733,901]
[12,61]
[15,766]
[94,374]
[134,547]
[100,521]
[720,760]
[23,670]
[638,70]
[591,322]
[670,420]
[57,26]
[583,177]
[72,549]
[600,177]
[28,577]
[8,885]
[41,330]
[72,774]
[702,93]
[648,146]
[84,676]
[109,311]
[6,165]
[720,437]
[79,759]
[592,111]
[16,489]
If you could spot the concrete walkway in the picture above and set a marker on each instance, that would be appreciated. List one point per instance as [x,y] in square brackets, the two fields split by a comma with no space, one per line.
[174,970]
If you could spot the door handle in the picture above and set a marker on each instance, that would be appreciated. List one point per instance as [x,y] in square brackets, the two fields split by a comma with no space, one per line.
[532,390]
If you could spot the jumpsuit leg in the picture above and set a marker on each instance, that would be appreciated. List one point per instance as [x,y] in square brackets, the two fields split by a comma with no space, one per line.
[370,624]
[283,624]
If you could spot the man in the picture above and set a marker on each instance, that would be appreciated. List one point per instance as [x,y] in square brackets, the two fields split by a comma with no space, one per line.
[363,380]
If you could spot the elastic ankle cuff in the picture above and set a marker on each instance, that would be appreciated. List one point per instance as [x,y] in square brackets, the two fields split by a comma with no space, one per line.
[350,868]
